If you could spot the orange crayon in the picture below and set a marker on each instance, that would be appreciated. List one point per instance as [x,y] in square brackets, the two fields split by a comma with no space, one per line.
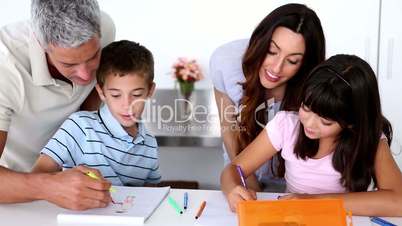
[200,209]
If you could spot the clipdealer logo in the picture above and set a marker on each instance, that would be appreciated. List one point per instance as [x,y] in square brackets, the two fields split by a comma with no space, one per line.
[260,107]
[172,114]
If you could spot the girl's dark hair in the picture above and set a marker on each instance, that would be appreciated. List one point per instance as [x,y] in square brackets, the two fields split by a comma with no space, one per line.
[300,19]
[344,89]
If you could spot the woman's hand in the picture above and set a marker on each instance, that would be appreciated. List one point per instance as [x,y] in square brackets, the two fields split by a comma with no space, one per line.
[238,194]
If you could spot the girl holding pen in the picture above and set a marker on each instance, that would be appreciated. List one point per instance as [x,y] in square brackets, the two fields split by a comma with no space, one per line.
[335,146]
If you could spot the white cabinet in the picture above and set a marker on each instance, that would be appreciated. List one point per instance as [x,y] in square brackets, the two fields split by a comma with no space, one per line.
[390,70]
[350,27]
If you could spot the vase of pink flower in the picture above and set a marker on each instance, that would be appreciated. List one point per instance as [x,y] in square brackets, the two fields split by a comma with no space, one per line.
[186,72]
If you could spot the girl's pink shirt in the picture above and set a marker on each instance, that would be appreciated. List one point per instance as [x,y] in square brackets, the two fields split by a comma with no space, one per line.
[310,176]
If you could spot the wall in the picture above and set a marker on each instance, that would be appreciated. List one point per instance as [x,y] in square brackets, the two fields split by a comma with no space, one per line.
[195,28]
[182,28]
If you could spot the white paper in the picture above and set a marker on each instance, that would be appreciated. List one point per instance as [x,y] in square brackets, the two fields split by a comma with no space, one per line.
[134,205]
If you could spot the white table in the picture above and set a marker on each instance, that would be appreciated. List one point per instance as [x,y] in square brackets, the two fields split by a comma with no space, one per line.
[216,213]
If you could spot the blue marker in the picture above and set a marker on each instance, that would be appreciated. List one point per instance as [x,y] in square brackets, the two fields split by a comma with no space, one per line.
[185,200]
[381,222]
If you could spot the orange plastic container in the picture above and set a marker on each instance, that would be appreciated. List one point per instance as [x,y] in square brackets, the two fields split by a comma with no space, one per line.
[299,212]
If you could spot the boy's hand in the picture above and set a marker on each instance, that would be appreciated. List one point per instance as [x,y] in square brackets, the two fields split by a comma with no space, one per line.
[239,193]
[73,189]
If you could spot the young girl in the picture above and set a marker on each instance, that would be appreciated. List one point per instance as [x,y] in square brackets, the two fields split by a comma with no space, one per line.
[287,44]
[336,146]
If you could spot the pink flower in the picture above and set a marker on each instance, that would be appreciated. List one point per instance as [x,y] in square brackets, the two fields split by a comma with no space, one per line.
[187,70]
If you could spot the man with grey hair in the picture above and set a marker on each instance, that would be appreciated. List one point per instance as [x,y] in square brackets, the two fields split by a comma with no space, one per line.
[47,72]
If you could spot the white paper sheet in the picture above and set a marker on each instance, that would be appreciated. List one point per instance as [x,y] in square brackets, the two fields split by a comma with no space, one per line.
[134,205]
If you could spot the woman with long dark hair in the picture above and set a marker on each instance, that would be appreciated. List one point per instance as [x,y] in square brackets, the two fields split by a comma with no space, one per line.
[253,79]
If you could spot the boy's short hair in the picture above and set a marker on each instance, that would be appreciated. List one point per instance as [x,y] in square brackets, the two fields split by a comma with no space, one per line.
[120,58]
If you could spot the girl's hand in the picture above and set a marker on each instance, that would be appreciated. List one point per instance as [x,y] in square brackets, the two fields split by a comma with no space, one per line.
[239,193]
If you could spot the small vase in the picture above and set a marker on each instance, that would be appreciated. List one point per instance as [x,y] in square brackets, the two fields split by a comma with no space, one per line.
[185,89]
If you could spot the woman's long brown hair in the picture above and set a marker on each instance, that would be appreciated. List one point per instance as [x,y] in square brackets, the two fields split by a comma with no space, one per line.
[300,19]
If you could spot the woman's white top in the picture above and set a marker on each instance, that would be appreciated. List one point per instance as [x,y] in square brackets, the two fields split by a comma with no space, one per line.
[227,75]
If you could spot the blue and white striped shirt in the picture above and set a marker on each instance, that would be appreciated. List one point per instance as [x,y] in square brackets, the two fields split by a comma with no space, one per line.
[97,140]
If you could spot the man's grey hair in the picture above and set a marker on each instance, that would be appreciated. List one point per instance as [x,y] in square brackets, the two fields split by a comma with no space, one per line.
[65,23]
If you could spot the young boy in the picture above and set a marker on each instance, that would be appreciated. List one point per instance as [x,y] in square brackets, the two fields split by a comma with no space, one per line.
[112,139]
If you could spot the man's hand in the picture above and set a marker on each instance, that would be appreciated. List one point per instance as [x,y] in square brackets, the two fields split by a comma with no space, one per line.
[73,189]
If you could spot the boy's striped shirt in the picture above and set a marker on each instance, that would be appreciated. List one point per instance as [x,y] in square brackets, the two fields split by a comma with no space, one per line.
[97,140]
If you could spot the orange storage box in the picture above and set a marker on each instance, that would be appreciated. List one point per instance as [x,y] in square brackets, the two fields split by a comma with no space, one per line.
[297,212]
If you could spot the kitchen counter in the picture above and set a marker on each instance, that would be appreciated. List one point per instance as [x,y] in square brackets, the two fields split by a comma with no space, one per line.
[174,124]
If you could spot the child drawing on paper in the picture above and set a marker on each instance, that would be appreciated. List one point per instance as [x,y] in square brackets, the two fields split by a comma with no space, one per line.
[335,146]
